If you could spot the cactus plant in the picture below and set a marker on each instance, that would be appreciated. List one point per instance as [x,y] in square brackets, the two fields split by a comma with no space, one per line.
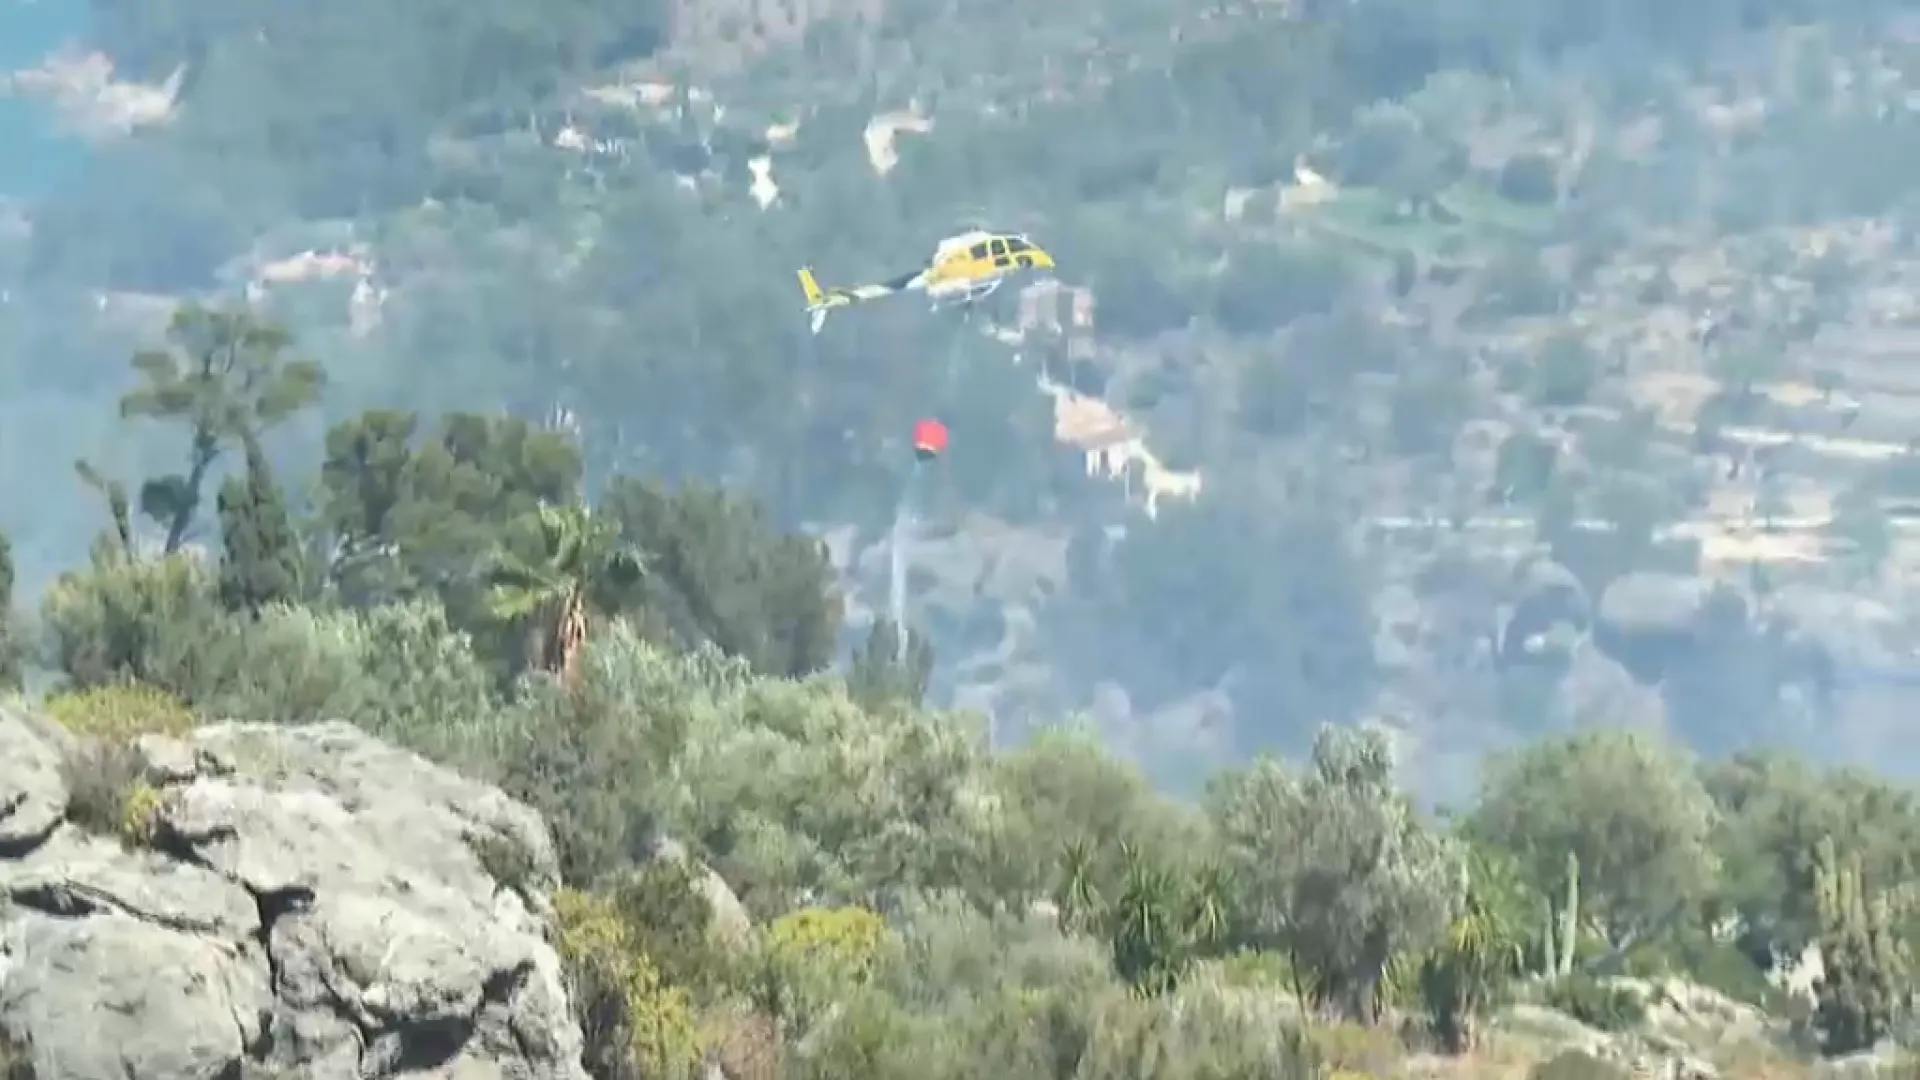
[1865,991]
[1561,930]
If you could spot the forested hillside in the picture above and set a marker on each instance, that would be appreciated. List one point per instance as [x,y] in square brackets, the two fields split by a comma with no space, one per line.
[760,868]
[1521,369]
[1420,379]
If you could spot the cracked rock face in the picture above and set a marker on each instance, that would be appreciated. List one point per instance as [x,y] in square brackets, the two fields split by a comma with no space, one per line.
[312,907]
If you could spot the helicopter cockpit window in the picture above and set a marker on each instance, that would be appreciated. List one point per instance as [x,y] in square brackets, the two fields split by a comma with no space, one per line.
[1017,245]
[999,248]
[977,251]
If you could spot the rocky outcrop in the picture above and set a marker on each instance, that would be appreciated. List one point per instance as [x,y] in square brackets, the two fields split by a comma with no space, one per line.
[309,902]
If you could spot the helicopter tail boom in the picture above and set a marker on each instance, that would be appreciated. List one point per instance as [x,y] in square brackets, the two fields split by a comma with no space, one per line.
[820,300]
[810,286]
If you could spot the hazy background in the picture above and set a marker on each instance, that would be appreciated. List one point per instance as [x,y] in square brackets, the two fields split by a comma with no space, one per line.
[1488,373]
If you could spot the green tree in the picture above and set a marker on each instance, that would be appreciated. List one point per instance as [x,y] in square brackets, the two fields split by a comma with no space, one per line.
[1565,373]
[1774,811]
[223,377]
[1265,287]
[1531,179]
[261,561]
[403,516]
[1066,799]
[116,540]
[721,575]
[1523,469]
[581,568]
[882,671]
[1628,806]
[1235,587]
[1339,871]
[1866,991]
[1425,410]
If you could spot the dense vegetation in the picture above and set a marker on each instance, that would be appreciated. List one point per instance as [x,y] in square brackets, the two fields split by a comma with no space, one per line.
[653,670]
[1326,365]
[534,489]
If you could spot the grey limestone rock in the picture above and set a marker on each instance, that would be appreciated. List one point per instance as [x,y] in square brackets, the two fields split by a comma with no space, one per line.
[313,906]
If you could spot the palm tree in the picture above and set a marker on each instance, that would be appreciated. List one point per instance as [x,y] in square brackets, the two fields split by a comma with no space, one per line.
[1210,904]
[582,568]
[1150,946]
[1076,897]
[1479,960]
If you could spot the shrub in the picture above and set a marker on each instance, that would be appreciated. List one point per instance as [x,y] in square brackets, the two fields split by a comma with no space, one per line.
[815,956]
[1355,1049]
[1597,1003]
[666,904]
[1716,965]
[148,621]
[107,787]
[139,814]
[420,684]
[120,712]
[108,794]
[1205,1034]
[747,1046]
[634,1023]
[292,665]
[1258,969]
[504,858]
[595,758]
[845,941]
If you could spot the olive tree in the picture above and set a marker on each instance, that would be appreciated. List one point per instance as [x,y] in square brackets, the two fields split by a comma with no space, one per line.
[1628,806]
[1337,869]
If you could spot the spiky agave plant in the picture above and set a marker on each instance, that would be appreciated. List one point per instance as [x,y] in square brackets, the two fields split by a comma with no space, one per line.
[1144,926]
[1076,893]
[1479,959]
[579,569]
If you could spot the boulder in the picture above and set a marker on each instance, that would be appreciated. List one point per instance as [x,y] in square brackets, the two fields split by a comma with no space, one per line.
[314,903]
[33,794]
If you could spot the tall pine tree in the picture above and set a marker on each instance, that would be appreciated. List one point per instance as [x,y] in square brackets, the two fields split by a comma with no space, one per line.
[260,564]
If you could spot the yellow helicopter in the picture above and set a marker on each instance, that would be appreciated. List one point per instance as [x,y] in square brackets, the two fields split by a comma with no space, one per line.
[964,269]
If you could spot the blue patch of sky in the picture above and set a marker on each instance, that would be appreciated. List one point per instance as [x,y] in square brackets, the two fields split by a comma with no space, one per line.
[35,155]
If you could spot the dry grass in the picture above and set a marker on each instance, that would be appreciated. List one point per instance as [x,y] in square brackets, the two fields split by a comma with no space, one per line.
[746,1044]
[1494,1059]
[1760,1062]
[1353,1049]
[108,793]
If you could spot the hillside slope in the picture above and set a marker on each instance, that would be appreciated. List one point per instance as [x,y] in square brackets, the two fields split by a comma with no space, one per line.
[1429,300]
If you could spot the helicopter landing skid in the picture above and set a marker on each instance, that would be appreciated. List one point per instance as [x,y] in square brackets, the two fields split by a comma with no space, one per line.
[968,298]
